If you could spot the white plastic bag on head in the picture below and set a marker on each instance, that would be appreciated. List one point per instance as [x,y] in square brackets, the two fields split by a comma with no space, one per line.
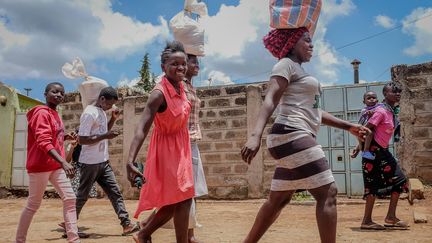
[196,7]
[75,69]
[91,86]
[189,32]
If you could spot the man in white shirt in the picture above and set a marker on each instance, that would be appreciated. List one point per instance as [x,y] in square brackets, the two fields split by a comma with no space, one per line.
[94,132]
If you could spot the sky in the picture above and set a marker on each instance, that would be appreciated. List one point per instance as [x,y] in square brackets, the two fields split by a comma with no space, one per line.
[111,37]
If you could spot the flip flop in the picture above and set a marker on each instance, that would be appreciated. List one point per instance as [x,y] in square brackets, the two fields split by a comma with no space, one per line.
[134,229]
[397,225]
[373,226]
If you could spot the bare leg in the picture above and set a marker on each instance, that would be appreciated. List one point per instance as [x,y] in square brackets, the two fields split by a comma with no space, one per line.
[391,213]
[367,218]
[181,220]
[268,213]
[161,217]
[191,236]
[326,211]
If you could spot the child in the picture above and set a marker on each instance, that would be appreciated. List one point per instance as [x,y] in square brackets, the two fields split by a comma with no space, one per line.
[94,132]
[45,162]
[168,170]
[371,101]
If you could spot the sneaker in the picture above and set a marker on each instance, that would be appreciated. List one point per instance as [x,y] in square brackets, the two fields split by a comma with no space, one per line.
[368,155]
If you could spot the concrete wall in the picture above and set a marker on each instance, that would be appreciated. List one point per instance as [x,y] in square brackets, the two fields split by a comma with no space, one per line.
[7,127]
[228,115]
[415,148]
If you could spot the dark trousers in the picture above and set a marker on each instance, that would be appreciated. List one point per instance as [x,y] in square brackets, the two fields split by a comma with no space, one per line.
[103,174]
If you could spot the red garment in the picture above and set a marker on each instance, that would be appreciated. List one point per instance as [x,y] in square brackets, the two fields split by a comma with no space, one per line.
[45,132]
[280,41]
[168,168]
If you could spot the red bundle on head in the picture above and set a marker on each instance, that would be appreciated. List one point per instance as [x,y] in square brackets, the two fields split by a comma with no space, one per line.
[280,41]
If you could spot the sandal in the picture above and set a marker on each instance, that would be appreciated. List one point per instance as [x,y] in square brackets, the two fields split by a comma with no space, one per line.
[397,225]
[372,226]
[133,228]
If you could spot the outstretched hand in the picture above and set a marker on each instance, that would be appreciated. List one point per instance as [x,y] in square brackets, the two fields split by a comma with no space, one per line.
[250,149]
[359,131]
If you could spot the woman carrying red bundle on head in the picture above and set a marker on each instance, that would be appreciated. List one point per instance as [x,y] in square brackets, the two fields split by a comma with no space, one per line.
[301,163]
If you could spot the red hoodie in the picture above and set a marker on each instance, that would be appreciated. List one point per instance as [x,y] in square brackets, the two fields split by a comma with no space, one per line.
[45,132]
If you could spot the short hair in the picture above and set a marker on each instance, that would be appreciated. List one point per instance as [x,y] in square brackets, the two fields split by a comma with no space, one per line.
[48,87]
[369,91]
[394,86]
[109,93]
[171,48]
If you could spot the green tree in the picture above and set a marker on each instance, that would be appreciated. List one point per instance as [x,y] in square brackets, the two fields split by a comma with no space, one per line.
[146,82]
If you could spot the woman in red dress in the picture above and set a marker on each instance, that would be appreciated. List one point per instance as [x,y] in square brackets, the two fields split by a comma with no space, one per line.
[168,172]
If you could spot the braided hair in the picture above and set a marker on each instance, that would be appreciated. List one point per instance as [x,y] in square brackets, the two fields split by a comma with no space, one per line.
[171,48]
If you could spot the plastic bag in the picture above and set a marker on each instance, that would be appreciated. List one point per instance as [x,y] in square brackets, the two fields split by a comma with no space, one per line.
[91,86]
[290,14]
[189,32]
[193,6]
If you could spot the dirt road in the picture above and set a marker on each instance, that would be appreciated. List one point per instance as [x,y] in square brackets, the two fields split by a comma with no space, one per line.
[223,221]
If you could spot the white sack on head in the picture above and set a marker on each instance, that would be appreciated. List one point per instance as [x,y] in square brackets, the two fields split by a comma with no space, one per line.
[91,86]
[196,7]
[189,32]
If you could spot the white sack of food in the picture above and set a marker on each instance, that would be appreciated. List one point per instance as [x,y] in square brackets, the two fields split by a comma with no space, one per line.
[91,86]
[189,32]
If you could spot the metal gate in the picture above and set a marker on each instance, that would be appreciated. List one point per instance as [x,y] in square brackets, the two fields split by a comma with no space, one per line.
[19,174]
[345,102]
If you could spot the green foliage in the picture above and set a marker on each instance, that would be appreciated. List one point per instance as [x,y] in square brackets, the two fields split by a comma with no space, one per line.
[147,80]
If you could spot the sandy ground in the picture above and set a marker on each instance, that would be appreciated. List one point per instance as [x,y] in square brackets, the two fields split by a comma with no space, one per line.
[223,221]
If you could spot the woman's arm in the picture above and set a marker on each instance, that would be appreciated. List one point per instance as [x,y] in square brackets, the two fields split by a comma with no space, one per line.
[355,129]
[277,86]
[154,102]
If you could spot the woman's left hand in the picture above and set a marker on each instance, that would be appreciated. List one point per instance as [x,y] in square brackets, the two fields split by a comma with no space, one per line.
[359,131]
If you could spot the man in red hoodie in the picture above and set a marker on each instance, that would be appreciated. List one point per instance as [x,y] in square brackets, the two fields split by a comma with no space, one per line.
[45,162]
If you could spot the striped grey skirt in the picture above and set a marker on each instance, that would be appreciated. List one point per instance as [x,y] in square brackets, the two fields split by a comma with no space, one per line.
[301,163]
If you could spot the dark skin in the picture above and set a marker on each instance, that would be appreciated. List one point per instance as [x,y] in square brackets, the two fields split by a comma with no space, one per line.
[369,99]
[55,96]
[391,98]
[175,70]
[105,104]
[325,195]
[193,70]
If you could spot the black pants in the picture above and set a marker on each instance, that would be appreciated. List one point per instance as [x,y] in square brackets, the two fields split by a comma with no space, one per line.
[103,174]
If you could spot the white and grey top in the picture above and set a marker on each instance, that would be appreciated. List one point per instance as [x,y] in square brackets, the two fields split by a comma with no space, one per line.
[299,107]
[93,122]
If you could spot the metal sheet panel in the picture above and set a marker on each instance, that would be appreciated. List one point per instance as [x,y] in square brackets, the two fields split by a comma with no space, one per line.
[340,183]
[355,97]
[338,160]
[336,137]
[356,163]
[357,185]
[323,136]
[333,100]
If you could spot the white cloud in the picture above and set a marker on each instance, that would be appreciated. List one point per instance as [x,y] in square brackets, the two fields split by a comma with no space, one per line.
[218,78]
[125,82]
[237,51]
[384,21]
[421,31]
[39,36]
